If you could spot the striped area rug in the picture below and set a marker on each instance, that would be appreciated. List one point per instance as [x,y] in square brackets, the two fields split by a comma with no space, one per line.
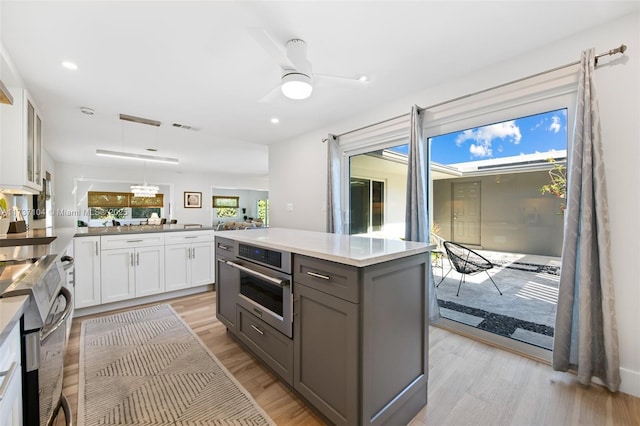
[147,367]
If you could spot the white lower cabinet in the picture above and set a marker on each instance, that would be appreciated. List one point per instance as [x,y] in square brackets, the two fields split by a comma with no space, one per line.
[11,379]
[129,273]
[113,268]
[132,266]
[189,259]
[86,255]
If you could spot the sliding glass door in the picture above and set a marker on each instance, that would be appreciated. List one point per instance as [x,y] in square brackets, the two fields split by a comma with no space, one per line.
[366,200]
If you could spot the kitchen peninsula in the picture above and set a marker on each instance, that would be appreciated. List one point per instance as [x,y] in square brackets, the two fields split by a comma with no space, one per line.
[123,266]
[343,320]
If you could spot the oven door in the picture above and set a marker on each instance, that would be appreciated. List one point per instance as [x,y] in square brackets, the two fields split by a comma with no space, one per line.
[53,342]
[267,294]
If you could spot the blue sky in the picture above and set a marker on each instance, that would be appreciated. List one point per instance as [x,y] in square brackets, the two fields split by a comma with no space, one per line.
[526,135]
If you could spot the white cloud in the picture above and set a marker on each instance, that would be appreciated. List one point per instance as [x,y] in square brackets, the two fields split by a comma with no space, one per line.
[483,137]
[480,150]
[555,124]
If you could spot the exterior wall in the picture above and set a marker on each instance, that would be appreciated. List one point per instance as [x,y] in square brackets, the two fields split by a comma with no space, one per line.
[515,217]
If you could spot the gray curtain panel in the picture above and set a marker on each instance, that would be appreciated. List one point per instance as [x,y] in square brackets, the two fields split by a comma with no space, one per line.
[334,187]
[586,332]
[417,213]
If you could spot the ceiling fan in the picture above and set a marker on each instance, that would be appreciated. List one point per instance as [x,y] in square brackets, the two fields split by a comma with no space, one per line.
[297,76]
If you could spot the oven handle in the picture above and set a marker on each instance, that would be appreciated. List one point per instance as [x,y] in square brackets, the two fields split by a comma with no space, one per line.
[275,281]
[67,262]
[46,332]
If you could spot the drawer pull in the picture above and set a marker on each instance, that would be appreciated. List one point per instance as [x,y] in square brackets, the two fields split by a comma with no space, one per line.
[134,241]
[7,376]
[192,236]
[223,247]
[314,274]
[257,329]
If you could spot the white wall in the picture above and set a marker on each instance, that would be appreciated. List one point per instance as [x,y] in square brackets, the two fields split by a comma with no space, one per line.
[67,199]
[297,168]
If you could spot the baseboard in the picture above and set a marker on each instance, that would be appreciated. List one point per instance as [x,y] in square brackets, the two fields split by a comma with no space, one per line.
[630,382]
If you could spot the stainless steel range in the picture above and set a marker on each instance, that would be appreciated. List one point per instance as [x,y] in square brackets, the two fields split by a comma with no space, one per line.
[44,333]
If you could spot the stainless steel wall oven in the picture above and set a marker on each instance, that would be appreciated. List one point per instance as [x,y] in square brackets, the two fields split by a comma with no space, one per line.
[265,284]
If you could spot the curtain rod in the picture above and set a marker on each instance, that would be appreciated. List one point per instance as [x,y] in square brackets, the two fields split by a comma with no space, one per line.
[620,49]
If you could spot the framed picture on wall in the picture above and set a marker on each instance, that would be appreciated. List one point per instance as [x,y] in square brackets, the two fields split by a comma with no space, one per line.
[192,200]
[225,201]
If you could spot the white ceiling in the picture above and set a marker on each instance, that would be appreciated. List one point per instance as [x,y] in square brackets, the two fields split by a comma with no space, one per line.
[196,64]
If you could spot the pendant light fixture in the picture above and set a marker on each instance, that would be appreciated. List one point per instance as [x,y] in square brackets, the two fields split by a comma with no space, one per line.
[140,157]
[145,190]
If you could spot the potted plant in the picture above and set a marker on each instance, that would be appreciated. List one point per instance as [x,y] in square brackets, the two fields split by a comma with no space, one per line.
[4,217]
[558,184]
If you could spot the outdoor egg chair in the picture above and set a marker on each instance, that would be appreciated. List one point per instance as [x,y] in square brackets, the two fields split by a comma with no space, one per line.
[466,262]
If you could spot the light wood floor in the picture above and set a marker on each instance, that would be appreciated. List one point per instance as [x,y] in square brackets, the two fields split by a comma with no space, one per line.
[470,383]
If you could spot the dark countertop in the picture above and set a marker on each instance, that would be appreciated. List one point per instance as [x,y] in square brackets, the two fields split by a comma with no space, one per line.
[41,242]
[29,238]
[31,244]
[139,229]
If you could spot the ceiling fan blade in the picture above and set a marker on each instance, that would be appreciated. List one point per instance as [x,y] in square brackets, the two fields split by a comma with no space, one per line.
[326,79]
[272,95]
[277,52]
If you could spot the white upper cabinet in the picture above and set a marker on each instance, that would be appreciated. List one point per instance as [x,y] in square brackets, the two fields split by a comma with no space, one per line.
[21,138]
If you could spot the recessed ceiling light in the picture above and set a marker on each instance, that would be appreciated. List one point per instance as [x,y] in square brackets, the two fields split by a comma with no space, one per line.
[275,120]
[363,77]
[69,65]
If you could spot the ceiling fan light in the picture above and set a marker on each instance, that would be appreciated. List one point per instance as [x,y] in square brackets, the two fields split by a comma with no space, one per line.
[296,86]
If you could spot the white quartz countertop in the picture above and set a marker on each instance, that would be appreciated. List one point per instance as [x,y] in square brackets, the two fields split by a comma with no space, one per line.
[11,310]
[346,249]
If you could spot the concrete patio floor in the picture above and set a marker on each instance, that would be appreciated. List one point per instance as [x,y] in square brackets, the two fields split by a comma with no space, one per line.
[526,309]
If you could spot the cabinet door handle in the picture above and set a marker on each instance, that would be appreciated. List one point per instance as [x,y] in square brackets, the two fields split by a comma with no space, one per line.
[96,244]
[257,329]
[193,252]
[131,258]
[137,258]
[314,274]
[8,375]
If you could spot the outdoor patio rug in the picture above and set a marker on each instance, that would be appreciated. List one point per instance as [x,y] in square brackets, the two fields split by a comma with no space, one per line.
[504,325]
[148,367]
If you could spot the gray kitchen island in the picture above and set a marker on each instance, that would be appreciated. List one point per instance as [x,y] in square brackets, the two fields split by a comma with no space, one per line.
[343,320]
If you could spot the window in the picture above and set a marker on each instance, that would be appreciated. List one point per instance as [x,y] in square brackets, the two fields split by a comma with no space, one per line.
[106,206]
[366,205]
[494,197]
[263,211]
[377,192]
[145,212]
[490,192]
[222,212]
